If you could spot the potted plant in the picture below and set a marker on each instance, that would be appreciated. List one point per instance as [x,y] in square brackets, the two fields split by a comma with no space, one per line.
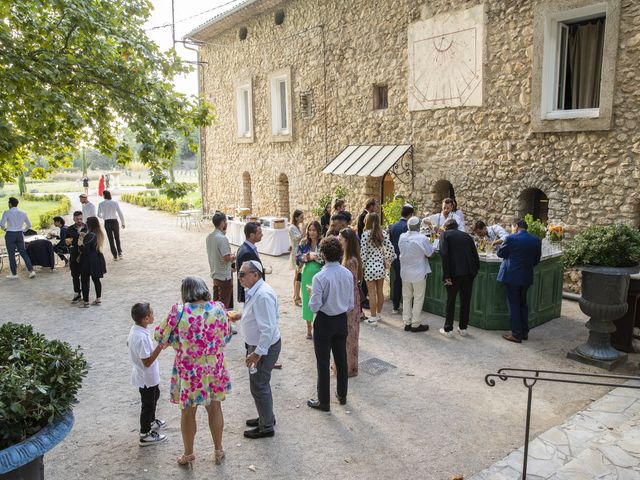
[40,379]
[607,255]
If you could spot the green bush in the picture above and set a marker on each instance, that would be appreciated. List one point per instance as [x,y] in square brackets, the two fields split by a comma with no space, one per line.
[155,202]
[46,219]
[40,379]
[392,207]
[339,193]
[535,227]
[604,246]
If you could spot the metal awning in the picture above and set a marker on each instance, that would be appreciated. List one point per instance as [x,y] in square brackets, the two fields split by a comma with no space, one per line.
[372,161]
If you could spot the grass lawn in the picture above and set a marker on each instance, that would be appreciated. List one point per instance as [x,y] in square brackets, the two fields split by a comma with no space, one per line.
[33,210]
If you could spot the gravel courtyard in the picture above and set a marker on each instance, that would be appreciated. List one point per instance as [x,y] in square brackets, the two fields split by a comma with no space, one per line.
[428,416]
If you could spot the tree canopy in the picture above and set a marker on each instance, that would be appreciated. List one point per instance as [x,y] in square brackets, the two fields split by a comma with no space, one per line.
[73,73]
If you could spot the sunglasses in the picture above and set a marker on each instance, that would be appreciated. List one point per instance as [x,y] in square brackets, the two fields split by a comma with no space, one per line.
[242,274]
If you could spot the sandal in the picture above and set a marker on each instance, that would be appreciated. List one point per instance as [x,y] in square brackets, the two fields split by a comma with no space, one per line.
[96,302]
[218,456]
[186,460]
[86,304]
[309,337]
[298,303]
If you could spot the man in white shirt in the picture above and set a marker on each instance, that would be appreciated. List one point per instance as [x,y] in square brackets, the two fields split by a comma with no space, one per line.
[436,221]
[259,327]
[331,299]
[495,234]
[109,210]
[88,208]
[414,267]
[14,222]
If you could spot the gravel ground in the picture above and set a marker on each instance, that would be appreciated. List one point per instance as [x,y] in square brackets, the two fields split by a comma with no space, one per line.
[428,416]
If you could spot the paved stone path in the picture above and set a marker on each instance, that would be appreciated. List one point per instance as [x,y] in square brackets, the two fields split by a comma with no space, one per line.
[426,416]
[601,442]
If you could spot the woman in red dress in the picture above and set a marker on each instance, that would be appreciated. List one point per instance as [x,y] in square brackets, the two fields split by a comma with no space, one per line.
[101,185]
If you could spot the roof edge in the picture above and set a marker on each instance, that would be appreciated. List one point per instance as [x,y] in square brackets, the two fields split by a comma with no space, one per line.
[228,19]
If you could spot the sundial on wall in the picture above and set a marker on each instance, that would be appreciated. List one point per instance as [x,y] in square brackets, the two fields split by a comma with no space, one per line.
[445,60]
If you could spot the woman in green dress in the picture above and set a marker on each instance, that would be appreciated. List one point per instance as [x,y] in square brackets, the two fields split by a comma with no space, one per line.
[308,257]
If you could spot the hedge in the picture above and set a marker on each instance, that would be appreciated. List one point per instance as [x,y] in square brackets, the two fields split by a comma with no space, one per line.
[155,202]
[46,219]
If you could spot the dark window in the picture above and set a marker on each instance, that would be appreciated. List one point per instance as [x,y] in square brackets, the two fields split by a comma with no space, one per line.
[535,202]
[580,63]
[242,33]
[279,17]
[380,97]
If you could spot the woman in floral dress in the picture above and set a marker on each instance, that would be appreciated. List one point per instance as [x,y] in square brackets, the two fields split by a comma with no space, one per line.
[351,260]
[198,329]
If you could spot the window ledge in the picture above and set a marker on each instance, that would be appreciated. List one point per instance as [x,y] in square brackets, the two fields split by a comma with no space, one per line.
[570,114]
[281,137]
[244,139]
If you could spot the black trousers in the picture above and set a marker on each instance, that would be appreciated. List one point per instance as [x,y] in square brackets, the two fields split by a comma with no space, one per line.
[464,285]
[84,278]
[112,228]
[364,294]
[149,397]
[330,335]
[396,288]
[76,272]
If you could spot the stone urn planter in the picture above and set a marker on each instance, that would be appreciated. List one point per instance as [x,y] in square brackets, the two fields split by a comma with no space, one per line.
[24,460]
[604,299]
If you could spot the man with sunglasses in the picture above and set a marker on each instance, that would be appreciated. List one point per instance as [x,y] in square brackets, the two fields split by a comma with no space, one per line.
[259,327]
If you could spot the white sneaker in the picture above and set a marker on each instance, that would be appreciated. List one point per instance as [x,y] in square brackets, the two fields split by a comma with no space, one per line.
[158,424]
[395,312]
[462,331]
[446,334]
[372,320]
[32,273]
[12,276]
[151,438]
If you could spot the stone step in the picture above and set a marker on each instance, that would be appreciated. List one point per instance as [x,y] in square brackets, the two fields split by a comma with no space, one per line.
[605,435]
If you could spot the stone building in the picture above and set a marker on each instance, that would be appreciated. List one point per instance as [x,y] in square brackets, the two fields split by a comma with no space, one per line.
[512,106]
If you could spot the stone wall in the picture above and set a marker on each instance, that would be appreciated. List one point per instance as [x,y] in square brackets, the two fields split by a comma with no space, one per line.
[339,50]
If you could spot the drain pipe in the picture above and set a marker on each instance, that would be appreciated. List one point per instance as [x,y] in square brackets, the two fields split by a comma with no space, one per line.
[571,296]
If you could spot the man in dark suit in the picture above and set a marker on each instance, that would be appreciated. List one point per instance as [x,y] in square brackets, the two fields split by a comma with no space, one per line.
[521,252]
[395,231]
[371,206]
[460,264]
[71,237]
[248,251]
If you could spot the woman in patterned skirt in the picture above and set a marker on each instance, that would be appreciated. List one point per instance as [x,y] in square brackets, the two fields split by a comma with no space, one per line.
[377,254]
[198,330]
[351,260]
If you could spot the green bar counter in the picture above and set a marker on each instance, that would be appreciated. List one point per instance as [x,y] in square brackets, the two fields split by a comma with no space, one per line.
[489,309]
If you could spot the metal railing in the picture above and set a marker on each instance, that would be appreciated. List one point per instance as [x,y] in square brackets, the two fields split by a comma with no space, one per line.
[530,377]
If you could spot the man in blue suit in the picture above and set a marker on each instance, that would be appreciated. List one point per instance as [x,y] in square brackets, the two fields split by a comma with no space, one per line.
[521,252]
[395,231]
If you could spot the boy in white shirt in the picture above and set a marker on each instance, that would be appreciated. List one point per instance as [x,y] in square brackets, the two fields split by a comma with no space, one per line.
[146,373]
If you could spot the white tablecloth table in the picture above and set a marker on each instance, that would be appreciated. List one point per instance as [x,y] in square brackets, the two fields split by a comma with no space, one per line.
[275,241]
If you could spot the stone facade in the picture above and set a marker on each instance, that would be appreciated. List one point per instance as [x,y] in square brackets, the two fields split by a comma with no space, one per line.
[491,155]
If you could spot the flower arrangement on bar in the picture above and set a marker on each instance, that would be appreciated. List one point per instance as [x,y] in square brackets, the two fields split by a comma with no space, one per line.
[556,233]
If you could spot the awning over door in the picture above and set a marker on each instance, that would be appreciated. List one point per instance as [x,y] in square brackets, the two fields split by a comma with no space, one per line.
[366,160]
